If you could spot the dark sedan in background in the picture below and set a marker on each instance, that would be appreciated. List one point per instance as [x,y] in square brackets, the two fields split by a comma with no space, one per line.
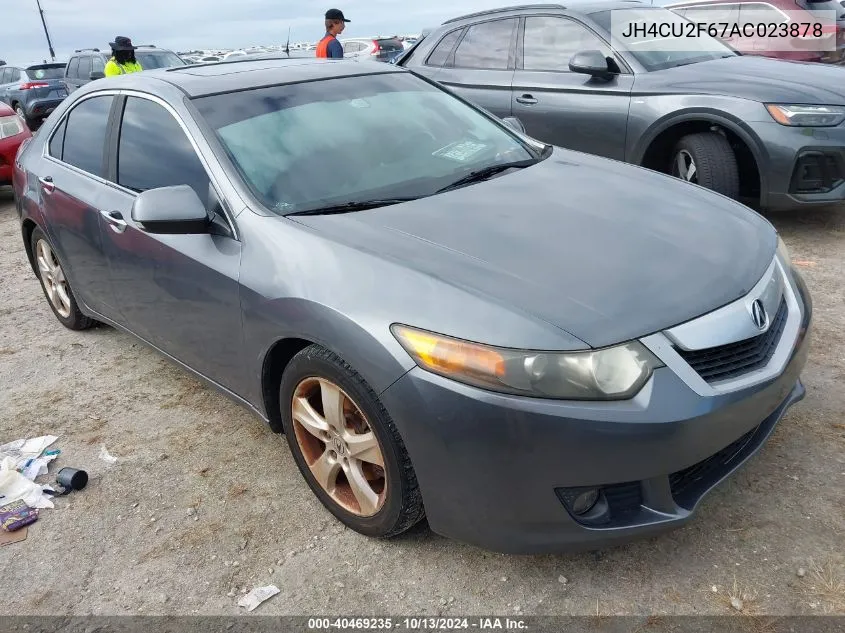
[532,347]
[765,131]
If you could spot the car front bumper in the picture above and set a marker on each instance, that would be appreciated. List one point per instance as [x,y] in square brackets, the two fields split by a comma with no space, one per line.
[494,469]
[804,167]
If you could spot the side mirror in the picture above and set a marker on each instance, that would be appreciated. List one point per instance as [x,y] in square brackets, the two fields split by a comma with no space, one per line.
[97,74]
[591,63]
[514,123]
[171,210]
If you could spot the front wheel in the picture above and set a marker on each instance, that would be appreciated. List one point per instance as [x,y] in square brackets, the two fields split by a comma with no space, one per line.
[346,445]
[707,159]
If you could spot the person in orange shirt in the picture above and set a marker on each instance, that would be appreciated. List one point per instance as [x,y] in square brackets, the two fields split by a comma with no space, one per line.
[329,47]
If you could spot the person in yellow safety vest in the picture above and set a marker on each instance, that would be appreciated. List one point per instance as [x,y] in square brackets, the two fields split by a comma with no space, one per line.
[123,58]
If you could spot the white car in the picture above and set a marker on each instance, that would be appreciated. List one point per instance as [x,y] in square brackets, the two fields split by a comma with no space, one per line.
[379,49]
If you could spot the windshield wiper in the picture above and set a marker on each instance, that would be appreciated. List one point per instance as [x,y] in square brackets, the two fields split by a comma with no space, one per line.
[348,207]
[487,172]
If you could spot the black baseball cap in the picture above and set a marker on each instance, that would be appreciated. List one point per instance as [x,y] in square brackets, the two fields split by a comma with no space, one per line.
[336,14]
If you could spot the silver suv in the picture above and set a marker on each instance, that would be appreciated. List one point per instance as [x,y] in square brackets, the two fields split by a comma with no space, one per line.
[88,64]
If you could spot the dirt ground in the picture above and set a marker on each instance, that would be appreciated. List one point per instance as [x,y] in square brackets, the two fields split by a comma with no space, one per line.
[204,502]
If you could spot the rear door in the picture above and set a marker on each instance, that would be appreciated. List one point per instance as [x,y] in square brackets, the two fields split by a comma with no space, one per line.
[480,68]
[10,88]
[73,191]
[179,292]
[558,106]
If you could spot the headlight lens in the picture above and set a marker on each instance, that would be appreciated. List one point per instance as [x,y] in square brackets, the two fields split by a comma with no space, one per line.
[10,126]
[807,115]
[614,373]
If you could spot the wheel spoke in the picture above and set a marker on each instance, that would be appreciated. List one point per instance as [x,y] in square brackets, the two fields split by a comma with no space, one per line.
[332,398]
[691,171]
[61,293]
[43,266]
[365,448]
[367,498]
[325,471]
[308,418]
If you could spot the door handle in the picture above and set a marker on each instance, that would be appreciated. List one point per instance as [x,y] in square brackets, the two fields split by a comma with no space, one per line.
[115,220]
[526,100]
[47,184]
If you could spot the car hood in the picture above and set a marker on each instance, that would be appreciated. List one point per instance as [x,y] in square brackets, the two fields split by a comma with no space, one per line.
[606,251]
[752,77]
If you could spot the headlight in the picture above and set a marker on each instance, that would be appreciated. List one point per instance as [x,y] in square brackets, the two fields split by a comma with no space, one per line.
[614,373]
[10,126]
[807,115]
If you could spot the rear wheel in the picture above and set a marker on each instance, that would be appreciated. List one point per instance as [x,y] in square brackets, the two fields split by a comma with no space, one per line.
[19,111]
[56,286]
[346,445]
[707,159]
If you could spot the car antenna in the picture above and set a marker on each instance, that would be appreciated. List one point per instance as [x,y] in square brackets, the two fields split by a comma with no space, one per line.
[287,44]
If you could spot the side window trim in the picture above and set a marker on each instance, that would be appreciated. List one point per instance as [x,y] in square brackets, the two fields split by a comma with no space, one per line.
[520,46]
[113,142]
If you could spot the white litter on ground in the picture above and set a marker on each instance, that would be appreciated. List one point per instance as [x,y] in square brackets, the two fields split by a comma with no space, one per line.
[258,595]
[104,455]
[14,487]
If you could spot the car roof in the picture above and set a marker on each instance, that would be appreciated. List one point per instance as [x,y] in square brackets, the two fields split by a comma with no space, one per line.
[582,6]
[242,73]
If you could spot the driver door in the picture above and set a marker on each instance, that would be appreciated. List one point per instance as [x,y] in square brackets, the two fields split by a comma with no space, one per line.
[180,292]
[567,109]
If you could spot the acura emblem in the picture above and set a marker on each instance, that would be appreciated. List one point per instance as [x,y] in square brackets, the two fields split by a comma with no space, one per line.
[758,315]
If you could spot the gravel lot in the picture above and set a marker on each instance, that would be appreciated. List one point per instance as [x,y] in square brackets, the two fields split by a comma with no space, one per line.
[205,502]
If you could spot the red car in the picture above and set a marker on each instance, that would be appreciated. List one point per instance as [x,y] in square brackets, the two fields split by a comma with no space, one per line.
[13,132]
[770,12]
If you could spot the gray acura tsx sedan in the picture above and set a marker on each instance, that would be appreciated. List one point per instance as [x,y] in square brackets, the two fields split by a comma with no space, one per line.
[534,348]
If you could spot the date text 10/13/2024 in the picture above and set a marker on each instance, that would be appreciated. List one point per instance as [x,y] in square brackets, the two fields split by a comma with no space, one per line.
[481,624]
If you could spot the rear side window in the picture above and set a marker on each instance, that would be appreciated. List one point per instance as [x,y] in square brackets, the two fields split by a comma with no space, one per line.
[58,141]
[390,45]
[85,135]
[154,151]
[14,75]
[84,71]
[486,45]
[441,52]
[72,67]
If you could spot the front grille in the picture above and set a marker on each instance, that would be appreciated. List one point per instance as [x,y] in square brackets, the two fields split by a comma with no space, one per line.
[724,362]
[689,484]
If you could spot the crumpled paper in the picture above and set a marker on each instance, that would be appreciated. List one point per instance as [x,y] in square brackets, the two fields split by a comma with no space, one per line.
[14,486]
[258,595]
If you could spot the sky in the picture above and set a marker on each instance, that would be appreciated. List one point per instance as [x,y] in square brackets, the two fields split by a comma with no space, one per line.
[207,24]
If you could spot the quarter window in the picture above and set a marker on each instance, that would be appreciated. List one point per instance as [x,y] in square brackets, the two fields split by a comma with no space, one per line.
[58,141]
[85,135]
[154,151]
[441,52]
[551,42]
[486,45]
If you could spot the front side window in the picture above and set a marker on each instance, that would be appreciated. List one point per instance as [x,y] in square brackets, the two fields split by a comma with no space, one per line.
[98,65]
[85,135]
[84,71]
[550,42]
[440,54]
[391,136]
[153,151]
[486,45]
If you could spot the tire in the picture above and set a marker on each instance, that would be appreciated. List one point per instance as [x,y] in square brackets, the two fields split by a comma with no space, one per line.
[50,273]
[713,160]
[19,111]
[399,506]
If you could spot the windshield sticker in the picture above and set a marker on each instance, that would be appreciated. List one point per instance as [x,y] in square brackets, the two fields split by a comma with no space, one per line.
[39,74]
[460,151]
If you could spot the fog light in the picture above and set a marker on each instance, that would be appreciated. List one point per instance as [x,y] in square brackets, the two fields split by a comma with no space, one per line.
[585,501]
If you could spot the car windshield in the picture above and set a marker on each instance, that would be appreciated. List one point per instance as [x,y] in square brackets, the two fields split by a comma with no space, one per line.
[158,59]
[668,48]
[47,71]
[313,145]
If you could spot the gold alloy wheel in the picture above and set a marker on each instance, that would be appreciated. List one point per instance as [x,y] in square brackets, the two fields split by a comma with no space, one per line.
[339,446]
[53,278]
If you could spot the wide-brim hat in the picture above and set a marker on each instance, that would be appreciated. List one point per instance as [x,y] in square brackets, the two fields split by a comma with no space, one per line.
[122,43]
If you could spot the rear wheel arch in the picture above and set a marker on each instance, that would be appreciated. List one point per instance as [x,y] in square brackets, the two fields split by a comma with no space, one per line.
[657,144]
[27,228]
